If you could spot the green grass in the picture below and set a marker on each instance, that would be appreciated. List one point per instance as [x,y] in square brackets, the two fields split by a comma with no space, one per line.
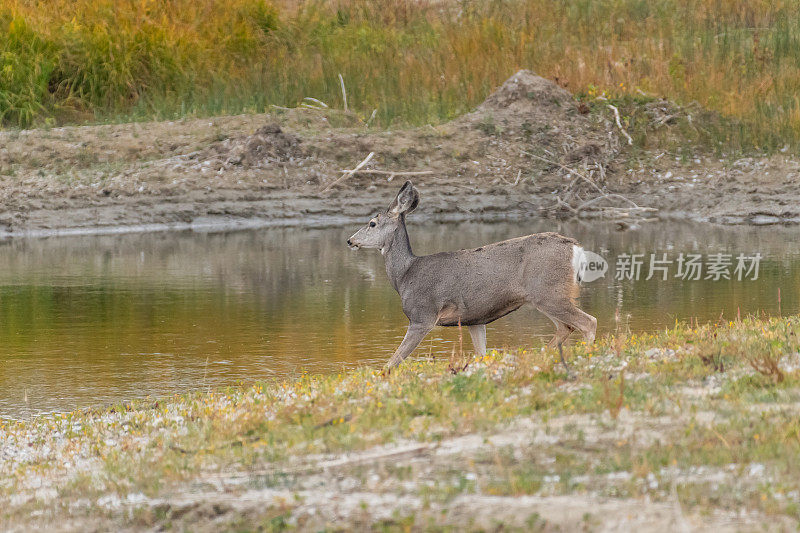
[413,62]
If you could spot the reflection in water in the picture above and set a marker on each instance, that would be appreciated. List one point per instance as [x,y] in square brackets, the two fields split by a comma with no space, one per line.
[93,320]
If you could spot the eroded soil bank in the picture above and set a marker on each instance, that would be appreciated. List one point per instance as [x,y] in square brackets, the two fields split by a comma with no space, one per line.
[530,150]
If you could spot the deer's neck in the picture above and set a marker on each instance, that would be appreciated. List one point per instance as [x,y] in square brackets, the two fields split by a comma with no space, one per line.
[398,255]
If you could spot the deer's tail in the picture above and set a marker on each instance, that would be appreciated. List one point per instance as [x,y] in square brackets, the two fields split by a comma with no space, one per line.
[579,263]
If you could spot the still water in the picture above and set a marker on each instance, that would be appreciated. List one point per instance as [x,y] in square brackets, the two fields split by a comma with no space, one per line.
[88,321]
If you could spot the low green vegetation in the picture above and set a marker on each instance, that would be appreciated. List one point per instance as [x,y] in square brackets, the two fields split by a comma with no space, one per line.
[706,416]
[410,62]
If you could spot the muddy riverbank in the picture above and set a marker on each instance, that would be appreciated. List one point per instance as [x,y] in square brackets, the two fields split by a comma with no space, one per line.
[530,150]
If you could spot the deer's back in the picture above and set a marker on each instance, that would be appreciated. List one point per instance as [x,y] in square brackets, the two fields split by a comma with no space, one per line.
[480,285]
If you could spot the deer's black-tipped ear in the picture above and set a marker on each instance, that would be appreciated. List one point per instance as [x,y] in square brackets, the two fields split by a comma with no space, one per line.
[406,200]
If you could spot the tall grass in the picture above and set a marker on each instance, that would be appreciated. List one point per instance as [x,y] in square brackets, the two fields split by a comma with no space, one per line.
[415,61]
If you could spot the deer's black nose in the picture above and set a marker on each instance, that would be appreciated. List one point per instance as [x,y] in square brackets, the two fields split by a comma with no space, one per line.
[349,243]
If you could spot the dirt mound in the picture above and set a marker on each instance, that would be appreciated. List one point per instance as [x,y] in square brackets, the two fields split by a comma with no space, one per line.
[544,119]
[527,92]
[537,126]
[268,145]
[528,131]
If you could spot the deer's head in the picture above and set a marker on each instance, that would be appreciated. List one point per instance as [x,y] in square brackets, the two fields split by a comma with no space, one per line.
[381,228]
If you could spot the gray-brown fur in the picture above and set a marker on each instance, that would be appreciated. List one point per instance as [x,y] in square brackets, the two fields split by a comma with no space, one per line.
[474,287]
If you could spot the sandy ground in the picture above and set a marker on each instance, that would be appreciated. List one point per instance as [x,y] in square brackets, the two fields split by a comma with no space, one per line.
[415,484]
[364,488]
[530,150]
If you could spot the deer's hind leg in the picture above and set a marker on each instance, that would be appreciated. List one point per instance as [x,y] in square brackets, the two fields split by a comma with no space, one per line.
[566,315]
[568,318]
[562,332]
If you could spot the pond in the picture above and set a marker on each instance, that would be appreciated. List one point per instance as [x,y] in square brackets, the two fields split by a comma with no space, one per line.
[89,321]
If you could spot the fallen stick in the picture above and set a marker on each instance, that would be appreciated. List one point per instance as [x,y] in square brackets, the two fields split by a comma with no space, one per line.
[319,102]
[302,107]
[572,170]
[608,196]
[603,194]
[627,209]
[619,123]
[665,120]
[389,172]
[584,178]
[344,461]
[565,205]
[349,173]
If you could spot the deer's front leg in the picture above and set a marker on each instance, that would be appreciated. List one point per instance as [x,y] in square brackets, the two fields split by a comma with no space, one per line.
[414,335]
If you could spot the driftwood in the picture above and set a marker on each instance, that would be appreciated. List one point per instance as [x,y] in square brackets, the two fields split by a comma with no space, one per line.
[348,173]
[612,196]
[631,210]
[390,173]
[510,184]
[584,177]
[619,123]
[315,104]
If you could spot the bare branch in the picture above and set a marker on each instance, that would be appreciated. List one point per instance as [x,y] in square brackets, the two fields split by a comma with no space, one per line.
[389,172]
[619,123]
[318,102]
[568,169]
[349,173]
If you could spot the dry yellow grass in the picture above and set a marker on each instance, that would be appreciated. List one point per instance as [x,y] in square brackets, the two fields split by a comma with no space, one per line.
[413,61]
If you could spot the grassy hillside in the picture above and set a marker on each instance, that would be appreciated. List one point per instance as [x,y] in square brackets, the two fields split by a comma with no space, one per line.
[413,61]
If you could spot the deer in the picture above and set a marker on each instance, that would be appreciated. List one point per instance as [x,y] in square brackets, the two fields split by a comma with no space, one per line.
[475,287]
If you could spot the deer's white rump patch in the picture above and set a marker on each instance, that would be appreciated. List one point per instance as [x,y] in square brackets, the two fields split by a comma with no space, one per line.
[579,262]
[587,266]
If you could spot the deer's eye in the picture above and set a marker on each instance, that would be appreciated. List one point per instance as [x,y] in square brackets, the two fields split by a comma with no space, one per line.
[371,223]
